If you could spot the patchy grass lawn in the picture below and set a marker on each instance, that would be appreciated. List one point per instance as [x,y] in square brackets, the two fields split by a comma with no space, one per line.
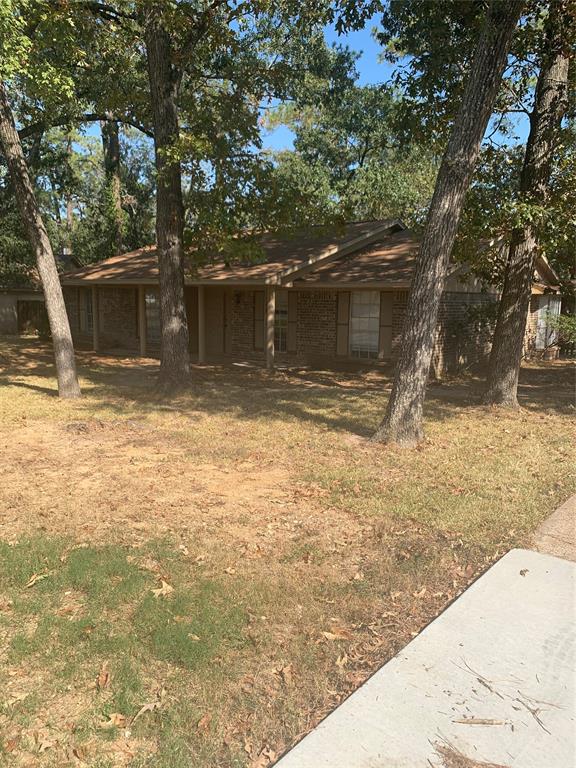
[197,582]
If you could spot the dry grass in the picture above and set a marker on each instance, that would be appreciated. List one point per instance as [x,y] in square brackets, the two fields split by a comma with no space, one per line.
[301,555]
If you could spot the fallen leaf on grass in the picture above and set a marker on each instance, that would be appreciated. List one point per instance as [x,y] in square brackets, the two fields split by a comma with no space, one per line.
[34,579]
[204,723]
[115,720]
[124,748]
[149,707]
[337,633]
[10,744]
[103,679]
[163,590]
[264,758]
[77,752]
[285,674]
[46,745]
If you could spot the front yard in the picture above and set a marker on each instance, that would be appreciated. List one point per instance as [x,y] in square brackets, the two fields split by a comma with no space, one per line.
[197,582]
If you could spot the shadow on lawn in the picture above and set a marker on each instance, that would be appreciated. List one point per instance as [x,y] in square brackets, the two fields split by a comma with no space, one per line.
[334,399]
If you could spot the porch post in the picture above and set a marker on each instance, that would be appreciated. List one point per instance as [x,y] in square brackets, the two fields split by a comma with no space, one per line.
[142,319]
[201,326]
[270,317]
[95,319]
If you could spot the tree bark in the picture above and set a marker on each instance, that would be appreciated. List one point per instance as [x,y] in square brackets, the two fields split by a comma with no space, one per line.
[58,318]
[402,422]
[550,103]
[111,147]
[69,202]
[164,79]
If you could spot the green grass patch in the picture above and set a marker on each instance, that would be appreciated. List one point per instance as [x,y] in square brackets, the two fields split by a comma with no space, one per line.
[188,628]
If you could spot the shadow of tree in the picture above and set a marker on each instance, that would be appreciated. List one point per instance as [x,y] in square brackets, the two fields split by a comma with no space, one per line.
[351,401]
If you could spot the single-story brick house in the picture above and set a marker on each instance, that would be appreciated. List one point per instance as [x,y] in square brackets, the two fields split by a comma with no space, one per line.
[321,298]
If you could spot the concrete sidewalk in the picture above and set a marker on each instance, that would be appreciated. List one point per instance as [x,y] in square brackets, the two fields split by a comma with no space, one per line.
[489,684]
[557,535]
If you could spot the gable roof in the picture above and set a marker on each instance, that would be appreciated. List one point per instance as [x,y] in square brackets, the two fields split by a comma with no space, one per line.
[389,259]
[370,253]
[284,258]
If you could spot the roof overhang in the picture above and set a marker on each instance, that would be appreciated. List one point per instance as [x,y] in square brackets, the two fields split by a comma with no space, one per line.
[547,272]
[287,276]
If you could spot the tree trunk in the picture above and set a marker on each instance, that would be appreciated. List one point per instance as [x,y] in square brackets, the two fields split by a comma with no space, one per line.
[59,327]
[69,203]
[402,422]
[164,81]
[550,104]
[111,147]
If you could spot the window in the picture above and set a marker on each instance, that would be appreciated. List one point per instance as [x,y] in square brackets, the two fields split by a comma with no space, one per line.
[364,323]
[152,303]
[281,322]
[546,335]
[86,315]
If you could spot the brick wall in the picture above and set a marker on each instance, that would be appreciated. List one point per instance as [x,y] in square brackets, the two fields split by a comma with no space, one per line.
[464,333]
[529,349]
[460,342]
[243,326]
[399,302]
[71,299]
[118,318]
[316,327]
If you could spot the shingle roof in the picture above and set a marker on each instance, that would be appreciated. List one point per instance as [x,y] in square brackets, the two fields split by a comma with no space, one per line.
[388,260]
[282,257]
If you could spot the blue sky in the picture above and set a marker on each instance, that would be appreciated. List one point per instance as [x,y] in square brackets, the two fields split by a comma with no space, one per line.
[370,70]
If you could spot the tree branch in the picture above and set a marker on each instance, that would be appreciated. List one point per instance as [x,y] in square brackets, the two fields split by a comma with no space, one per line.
[89,117]
[108,12]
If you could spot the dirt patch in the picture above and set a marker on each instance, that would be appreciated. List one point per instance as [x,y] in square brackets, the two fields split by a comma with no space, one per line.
[91,480]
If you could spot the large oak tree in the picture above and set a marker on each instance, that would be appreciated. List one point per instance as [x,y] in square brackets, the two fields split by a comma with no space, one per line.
[402,422]
[57,316]
[550,104]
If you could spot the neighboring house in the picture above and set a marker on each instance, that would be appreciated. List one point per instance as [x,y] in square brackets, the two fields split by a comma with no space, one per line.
[22,307]
[22,310]
[319,299]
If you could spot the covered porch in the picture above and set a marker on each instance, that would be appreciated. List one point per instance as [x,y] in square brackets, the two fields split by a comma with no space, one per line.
[265,325]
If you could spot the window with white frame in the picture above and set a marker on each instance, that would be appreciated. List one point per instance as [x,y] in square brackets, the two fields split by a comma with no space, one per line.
[281,322]
[364,323]
[86,314]
[152,304]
